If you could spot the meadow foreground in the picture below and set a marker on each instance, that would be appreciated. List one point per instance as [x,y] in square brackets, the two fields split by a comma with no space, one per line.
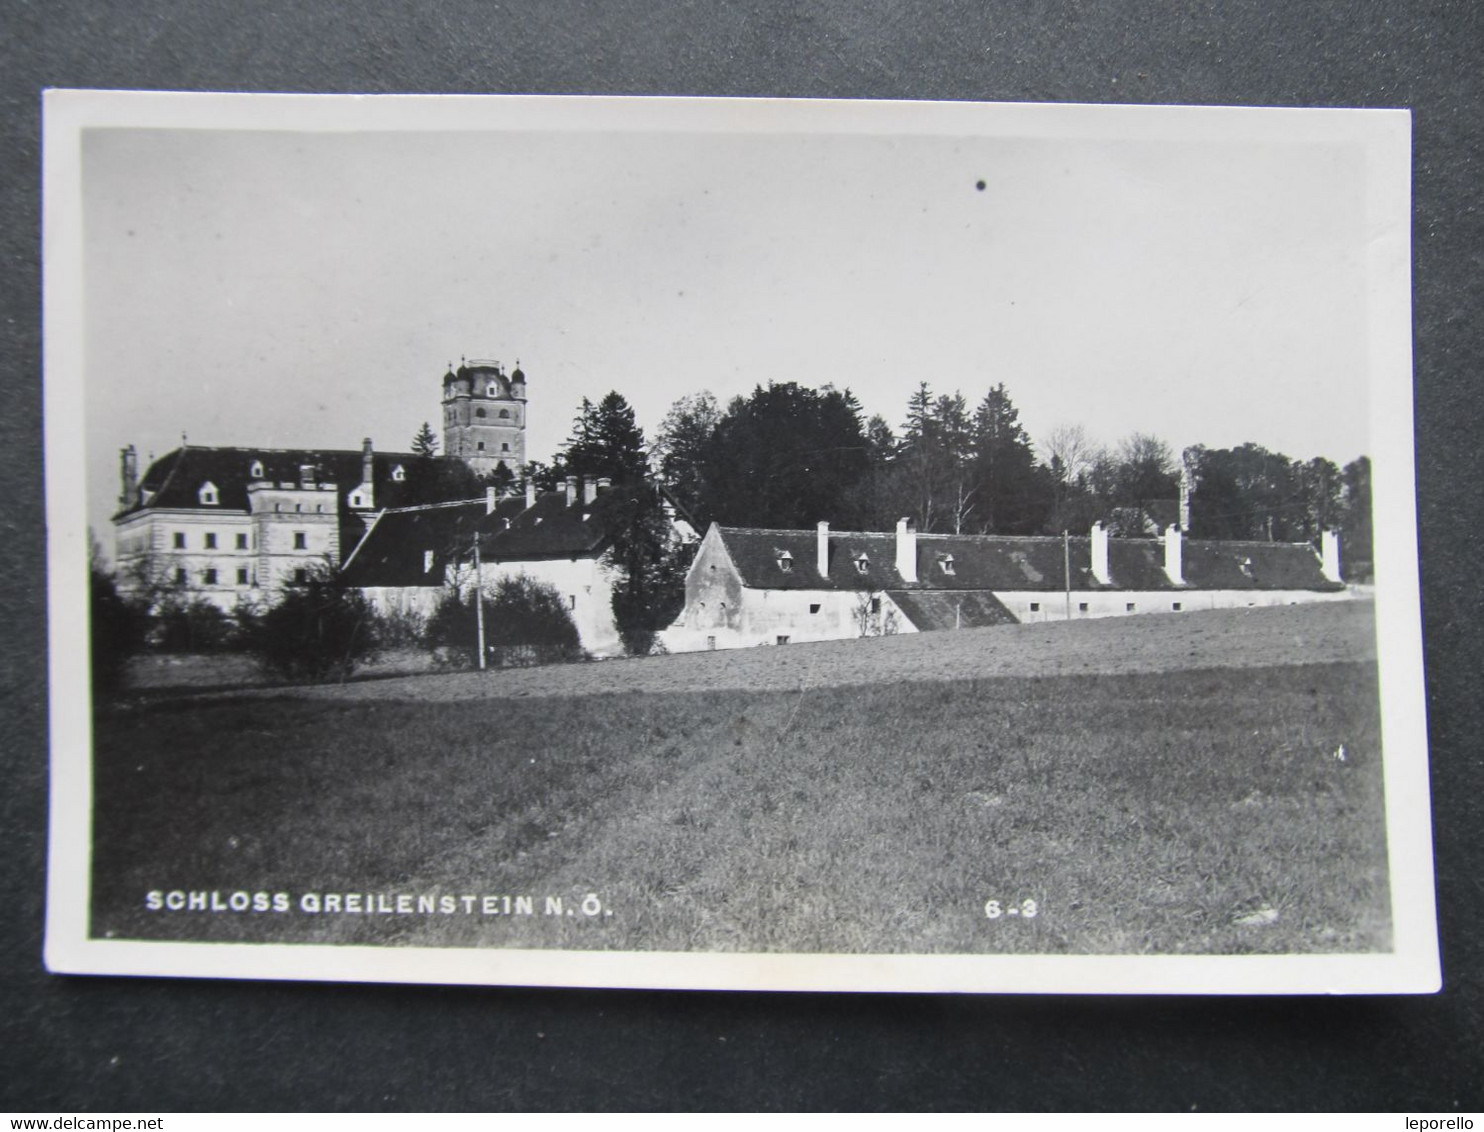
[1201,783]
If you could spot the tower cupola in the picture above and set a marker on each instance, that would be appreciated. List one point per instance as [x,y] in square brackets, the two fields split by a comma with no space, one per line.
[484,415]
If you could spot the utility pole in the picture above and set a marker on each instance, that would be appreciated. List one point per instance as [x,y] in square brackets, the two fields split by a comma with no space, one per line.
[1066,566]
[478,602]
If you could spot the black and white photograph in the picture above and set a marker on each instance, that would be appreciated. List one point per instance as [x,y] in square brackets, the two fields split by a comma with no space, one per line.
[733,544]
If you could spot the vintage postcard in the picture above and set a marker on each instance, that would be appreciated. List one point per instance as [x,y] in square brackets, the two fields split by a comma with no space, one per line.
[733,544]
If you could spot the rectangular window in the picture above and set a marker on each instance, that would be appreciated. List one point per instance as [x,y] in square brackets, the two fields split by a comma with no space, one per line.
[875,605]
[180,540]
[1129,608]
[571,601]
[300,543]
[242,577]
[711,642]
[241,542]
[210,540]
[782,640]
[1175,605]
[1082,607]
[301,576]
[180,576]
[814,607]
[1035,607]
[210,576]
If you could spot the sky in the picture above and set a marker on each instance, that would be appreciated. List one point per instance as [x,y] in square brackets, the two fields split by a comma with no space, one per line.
[285,289]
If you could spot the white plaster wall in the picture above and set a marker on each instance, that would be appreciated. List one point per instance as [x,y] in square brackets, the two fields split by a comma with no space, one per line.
[760,617]
[1053,606]
[585,585]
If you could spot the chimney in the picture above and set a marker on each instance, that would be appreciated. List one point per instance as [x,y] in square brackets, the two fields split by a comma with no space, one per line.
[907,550]
[368,474]
[1329,555]
[1184,494]
[1174,565]
[128,476]
[571,487]
[822,550]
[491,499]
[1100,555]
[589,491]
[530,492]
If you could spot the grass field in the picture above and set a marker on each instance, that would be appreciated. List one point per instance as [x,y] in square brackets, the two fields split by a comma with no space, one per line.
[1156,784]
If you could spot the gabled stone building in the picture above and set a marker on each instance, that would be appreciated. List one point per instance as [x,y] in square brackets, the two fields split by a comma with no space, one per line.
[749,586]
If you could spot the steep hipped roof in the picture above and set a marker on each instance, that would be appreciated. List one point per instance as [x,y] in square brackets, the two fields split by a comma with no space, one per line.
[394,551]
[175,479]
[1007,563]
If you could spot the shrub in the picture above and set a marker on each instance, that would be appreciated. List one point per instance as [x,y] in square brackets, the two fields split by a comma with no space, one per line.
[193,624]
[116,628]
[526,622]
[319,629]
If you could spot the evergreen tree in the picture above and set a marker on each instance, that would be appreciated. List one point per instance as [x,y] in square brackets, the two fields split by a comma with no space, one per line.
[1013,494]
[648,560]
[1357,556]
[606,441]
[425,443]
[786,456]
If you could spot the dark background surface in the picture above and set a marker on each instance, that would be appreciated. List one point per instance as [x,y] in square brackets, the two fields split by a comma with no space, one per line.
[115,1044]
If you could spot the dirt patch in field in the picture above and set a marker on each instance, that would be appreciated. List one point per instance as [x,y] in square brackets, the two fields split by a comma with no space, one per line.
[1232,638]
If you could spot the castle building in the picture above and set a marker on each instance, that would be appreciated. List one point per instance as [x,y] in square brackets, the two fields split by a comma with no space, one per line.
[238,524]
[484,416]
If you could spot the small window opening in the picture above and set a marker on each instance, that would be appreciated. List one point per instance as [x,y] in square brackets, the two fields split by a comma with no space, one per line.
[210,540]
[1175,605]
[301,576]
[241,577]
[782,640]
[875,605]
[179,540]
[504,414]
[241,542]
[711,643]
[479,412]
[210,576]
[1129,608]
[1082,607]
[1035,607]
[180,576]
[300,541]
[814,607]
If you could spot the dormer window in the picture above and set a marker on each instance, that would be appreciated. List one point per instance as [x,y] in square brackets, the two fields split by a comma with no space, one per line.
[208,494]
[945,563]
[862,564]
[256,470]
[399,473]
[1246,566]
[492,391]
[785,561]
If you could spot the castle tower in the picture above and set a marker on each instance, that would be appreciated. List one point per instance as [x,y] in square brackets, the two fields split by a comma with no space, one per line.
[484,416]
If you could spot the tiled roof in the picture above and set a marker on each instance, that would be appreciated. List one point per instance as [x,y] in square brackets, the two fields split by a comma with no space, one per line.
[175,479]
[1003,563]
[972,609]
[394,552]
